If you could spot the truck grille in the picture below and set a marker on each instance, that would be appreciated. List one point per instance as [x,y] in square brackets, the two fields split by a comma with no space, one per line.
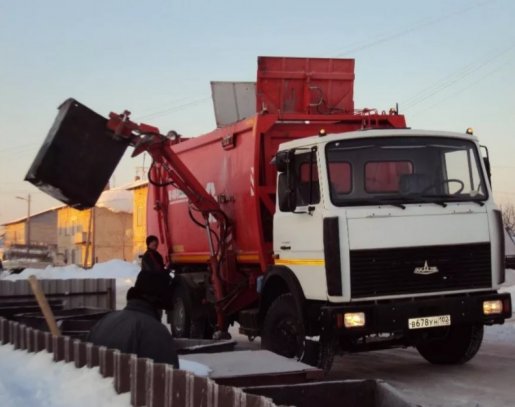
[382,272]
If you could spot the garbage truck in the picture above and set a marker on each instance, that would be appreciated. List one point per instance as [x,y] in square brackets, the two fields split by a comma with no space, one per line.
[318,227]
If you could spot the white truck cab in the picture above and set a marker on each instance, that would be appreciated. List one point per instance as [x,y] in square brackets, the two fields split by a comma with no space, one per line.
[392,234]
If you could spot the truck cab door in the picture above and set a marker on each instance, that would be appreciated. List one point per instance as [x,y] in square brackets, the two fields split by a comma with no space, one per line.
[298,223]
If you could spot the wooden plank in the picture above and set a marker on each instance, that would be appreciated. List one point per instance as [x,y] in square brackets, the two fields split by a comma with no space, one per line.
[79,353]
[43,304]
[138,370]
[155,384]
[92,355]
[106,360]
[122,371]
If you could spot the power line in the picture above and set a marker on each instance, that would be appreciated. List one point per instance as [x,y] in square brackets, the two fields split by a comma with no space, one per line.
[457,76]
[175,108]
[414,27]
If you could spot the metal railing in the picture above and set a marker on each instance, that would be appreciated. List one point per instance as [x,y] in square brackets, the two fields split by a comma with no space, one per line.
[73,293]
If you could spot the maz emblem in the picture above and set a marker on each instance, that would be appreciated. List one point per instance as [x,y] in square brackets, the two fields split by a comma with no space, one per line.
[426,270]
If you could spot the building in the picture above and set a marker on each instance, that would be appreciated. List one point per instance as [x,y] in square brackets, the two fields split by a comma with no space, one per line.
[98,234]
[139,221]
[42,225]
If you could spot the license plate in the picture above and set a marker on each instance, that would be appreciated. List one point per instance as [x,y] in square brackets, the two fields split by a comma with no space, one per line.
[429,322]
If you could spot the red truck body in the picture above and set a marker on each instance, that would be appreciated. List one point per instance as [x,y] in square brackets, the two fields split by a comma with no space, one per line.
[295,98]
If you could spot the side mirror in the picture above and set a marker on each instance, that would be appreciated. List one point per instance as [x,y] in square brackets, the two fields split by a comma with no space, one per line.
[286,192]
[281,161]
[486,160]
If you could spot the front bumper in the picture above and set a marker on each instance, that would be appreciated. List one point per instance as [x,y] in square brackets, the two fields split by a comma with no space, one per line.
[392,316]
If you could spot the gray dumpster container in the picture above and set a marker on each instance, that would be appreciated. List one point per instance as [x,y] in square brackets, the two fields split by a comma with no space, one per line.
[77,157]
[341,393]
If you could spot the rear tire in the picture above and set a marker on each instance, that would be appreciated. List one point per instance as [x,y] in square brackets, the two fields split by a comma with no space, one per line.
[459,346]
[181,317]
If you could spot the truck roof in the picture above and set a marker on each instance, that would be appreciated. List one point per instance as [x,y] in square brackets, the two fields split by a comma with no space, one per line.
[373,133]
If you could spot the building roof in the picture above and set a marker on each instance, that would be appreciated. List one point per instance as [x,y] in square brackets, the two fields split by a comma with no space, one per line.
[32,215]
[136,184]
[113,199]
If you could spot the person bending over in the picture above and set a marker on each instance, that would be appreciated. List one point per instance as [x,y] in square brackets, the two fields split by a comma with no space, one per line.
[137,328]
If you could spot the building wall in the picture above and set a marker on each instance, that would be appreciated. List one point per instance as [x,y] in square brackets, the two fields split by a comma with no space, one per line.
[139,222]
[110,233]
[15,233]
[42,230]
[72,235]
[113,235]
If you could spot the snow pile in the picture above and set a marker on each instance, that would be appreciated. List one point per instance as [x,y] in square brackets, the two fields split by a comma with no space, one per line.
[198,369]
[125,274]
[36,380]
[116,200]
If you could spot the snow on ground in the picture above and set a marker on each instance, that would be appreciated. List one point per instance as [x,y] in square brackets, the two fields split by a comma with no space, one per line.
[197,368]
[487,380]
[36,380]
[125,274]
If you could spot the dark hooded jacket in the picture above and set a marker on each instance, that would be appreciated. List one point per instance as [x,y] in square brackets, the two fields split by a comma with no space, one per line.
[152,261]
[136,329]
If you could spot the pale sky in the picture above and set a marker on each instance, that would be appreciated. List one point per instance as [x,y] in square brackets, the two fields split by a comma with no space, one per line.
[449,64]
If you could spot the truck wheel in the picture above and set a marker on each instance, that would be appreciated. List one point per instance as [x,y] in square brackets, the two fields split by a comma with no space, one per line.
[181,320]
[320,353]
[283,330]
[459,346]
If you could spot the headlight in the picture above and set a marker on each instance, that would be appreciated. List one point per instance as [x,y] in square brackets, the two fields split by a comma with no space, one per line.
[492,307]
[354,319]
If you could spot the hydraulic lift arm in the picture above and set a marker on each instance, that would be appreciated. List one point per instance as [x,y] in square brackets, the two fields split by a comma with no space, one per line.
[147,138]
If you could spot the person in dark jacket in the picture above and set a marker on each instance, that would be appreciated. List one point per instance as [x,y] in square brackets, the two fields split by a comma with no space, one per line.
[137,328]
[152,259]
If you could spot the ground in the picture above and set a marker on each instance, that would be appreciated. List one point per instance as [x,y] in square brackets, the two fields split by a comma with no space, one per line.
[487,380]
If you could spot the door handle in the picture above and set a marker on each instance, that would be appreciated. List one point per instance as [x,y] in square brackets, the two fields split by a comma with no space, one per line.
[285,247]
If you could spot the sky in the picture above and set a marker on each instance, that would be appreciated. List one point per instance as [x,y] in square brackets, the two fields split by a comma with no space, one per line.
[449,64]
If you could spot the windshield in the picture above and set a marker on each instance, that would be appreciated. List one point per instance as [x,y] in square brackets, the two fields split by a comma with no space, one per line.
[399,170]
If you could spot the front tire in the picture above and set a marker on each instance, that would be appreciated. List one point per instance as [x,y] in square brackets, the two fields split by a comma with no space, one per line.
[283,333]
[283,330]
[459,346]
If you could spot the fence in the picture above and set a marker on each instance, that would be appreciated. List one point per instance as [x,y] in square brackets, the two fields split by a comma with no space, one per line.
[150,384]
[71,293]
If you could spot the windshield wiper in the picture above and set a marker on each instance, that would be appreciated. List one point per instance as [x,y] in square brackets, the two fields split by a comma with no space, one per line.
[378,202]
[463,198]
[437,202]
[398,205]
[420,199]
[449,198]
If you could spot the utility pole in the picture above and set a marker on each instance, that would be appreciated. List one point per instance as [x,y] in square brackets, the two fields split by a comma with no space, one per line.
[93,237]
[27,238]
